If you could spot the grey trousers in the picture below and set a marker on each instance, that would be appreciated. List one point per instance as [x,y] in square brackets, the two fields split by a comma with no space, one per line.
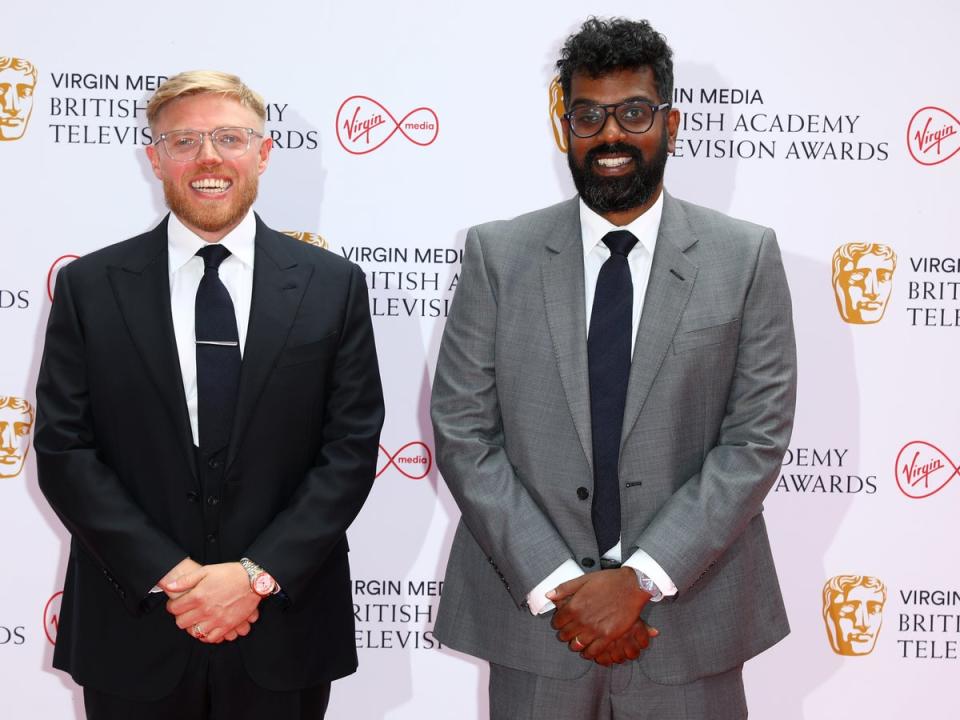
[621,692]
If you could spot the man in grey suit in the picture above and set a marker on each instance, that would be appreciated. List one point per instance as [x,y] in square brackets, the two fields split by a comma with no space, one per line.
[613,397]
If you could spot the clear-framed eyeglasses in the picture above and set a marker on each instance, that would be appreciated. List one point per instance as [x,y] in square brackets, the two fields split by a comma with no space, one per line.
[634,116]
[184,145]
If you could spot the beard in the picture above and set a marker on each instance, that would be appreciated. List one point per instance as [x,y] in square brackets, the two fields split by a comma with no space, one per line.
[211,216]
[617,194]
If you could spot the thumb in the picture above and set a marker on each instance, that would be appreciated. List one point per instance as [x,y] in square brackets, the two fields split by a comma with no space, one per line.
[185,582]
[566,589]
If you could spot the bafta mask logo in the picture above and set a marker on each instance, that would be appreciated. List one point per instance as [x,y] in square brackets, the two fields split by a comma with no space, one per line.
[853,613]
[310,238]
[862,281]
[557,110]
[18,78]
[16,422]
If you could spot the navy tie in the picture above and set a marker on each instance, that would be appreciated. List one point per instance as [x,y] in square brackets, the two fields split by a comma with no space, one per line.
[608,357]
[218,354]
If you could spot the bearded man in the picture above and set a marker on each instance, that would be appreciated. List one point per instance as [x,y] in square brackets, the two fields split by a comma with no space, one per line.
[614,394]
[208,417]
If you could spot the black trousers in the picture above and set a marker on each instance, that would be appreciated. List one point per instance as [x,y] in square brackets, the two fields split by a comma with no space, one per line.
[215,686]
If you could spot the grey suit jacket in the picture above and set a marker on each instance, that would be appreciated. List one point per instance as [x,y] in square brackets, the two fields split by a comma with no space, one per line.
[708,417]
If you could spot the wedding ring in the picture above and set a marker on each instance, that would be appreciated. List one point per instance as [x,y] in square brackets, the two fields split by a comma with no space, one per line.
[198,632]
[577,645]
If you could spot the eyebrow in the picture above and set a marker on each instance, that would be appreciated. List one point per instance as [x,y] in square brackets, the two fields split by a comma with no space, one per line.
[589,101]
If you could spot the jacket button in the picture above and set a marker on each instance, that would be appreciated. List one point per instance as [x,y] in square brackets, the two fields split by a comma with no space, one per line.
[583,493]
[192,496]
[213,500]
[213,463]
[587,562]
[211,538]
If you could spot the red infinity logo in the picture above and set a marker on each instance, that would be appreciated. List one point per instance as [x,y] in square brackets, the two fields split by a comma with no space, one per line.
[54,269]
[363,125]
[51,617]
[414,460]
[932,136]
[922,469]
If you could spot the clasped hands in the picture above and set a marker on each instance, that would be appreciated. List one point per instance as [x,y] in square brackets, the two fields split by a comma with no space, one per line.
[216,599]
[598,616]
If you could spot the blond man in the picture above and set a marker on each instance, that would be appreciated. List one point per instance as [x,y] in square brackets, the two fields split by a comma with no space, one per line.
[208,415]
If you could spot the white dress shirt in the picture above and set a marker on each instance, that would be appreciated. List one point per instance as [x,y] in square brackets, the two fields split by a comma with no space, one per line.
[592,229]
[186,271]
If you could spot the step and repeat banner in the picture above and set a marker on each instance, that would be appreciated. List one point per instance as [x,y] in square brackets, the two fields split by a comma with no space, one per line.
[398,126]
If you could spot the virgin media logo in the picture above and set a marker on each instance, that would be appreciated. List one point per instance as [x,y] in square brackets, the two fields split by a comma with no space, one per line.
[932,136]
[363,125]
[414,460]
[922,469]
[51,617]
[54,269]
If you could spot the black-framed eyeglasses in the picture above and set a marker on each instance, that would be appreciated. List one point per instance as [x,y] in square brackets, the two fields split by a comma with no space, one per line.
[184,145]
[634,116]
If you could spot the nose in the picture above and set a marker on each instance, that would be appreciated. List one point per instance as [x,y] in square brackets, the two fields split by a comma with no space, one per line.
[860,618]
[611,129]
[208,154]
[870,285]
[9,102]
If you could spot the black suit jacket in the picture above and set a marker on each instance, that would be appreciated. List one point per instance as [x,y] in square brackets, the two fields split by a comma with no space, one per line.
[116,461]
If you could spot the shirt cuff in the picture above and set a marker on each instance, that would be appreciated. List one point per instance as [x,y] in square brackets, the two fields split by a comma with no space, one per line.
[537,598]
[641,561]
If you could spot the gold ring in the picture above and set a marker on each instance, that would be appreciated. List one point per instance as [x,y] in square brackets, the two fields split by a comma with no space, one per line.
[198,632]
[578,646]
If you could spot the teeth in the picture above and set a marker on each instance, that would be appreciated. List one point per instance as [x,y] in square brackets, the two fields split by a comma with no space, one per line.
[211,185]
[612,162]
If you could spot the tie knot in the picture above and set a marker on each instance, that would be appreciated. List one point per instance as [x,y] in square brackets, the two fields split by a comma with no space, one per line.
[213,254]
[620,242]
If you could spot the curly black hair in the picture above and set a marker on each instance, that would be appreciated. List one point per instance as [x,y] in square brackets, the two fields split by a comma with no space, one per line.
[605,46]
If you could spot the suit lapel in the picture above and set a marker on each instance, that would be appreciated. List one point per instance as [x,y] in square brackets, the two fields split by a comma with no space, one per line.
[141,286]
[278,286]
[672,276]
[563,291]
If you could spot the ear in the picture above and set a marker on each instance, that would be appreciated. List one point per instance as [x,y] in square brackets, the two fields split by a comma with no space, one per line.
[673,125]
[266,145]
[154,156]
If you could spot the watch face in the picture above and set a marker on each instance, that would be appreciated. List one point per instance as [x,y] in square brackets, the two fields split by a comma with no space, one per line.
[263,584]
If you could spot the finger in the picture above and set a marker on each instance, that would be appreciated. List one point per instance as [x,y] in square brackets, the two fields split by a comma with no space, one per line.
[569,632]
[254,616]
[604,659]
[231,636]
[576,644]
[183,602]
[187,620]
[595,648]
[566,589]
[184,582]
[243,629]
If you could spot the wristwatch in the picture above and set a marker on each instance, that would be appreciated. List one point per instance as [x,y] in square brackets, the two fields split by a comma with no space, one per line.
[647,584]
[261,582]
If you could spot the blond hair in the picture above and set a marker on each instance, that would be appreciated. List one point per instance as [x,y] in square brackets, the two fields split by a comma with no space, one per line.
[203,82]
[24,66]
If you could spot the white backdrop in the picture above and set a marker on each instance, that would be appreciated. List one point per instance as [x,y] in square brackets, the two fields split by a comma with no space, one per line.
[804,118]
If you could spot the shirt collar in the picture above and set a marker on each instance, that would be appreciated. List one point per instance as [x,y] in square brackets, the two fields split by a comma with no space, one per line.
[183,243]
[645,228]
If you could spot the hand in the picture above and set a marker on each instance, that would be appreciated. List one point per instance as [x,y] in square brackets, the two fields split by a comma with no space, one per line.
[628,646]
[218,598]
[595,609]
[184,567]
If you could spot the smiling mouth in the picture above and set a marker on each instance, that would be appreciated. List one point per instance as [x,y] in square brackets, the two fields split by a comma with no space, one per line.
[614,162]
[211,186]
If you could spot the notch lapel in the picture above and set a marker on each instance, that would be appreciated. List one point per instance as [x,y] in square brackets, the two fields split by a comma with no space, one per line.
[672,276]
[562,276]
[279,283]
[142,290]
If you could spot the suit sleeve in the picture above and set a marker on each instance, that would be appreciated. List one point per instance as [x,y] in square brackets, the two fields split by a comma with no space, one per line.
[302,535]
[86,494]
[710,510]
[513,531]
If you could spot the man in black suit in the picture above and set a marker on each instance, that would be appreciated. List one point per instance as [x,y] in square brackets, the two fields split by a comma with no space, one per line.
[209,412]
